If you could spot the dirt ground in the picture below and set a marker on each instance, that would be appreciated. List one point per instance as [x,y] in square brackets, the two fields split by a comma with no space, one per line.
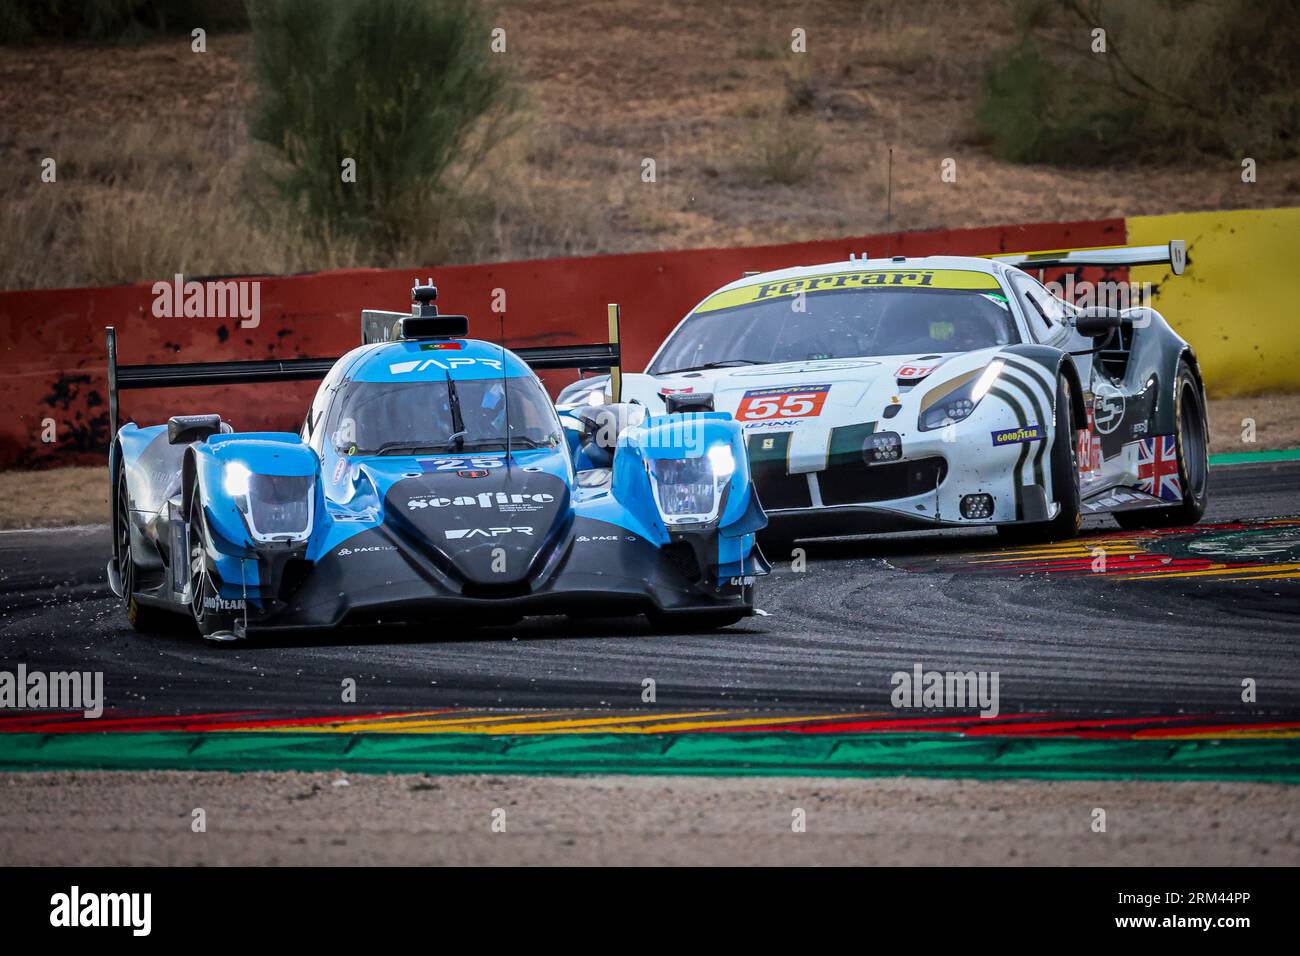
[752,142]
[73,496]
[103,818]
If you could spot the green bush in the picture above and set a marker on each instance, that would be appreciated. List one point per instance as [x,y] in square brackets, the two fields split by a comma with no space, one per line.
[406,88]
[1215,76]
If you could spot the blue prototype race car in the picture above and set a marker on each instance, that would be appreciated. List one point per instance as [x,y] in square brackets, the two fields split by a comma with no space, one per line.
[432,480]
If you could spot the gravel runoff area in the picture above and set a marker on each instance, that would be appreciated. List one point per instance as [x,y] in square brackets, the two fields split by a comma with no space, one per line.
[106,818]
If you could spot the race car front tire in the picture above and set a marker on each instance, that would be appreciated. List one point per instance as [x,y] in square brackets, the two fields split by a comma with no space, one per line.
[142,617]
[216,624]
[1065,479]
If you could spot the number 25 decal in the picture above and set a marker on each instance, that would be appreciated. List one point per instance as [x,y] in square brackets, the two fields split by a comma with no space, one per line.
[789,402]
[455,464]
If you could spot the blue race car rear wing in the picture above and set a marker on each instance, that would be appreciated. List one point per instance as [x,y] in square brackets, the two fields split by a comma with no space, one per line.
[422,323]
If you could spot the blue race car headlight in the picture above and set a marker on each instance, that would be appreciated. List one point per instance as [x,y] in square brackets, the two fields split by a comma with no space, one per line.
[280,506]
[689,491]
[276,507]
[946,405]
[236,483]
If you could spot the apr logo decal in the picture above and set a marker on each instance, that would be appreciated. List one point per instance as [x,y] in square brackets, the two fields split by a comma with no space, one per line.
[456,534]
[405,368]
[790,401]
[1013,436]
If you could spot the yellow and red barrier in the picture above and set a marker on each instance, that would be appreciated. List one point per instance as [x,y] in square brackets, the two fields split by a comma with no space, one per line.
[1232,305]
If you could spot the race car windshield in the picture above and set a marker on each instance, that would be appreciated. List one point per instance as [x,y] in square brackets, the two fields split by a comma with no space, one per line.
[396,418]
[848,323]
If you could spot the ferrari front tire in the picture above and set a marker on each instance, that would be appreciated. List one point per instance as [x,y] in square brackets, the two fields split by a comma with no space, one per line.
[1065,479]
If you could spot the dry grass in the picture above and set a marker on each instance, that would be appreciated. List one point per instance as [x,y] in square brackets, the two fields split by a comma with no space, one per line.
[157,175]
[58,498]
[1276,420]
[75,496]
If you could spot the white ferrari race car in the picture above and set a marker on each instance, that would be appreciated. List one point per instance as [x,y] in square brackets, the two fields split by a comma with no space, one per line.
[905,393]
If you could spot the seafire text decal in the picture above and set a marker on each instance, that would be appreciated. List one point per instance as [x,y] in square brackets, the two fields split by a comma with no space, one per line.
[500,500]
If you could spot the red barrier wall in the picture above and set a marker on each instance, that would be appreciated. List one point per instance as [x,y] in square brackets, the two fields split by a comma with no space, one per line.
[52,353]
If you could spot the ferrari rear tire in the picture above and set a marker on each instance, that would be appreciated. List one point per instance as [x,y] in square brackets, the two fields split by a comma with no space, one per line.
[142,617]
[1193,440]
[1065,479]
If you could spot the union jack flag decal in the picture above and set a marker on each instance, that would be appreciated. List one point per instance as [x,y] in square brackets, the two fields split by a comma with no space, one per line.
[1158,467]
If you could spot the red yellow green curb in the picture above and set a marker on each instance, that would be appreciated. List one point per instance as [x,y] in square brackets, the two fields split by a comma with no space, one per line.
[1273,760]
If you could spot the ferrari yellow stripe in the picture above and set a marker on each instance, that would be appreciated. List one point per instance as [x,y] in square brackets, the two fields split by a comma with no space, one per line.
[866,279]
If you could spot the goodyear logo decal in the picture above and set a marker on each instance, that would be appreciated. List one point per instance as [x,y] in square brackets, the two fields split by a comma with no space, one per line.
[874,279]
[1012,436]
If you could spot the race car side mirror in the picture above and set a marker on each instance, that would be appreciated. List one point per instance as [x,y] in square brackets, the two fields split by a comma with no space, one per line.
[183,429]
[602,424]
[1096,322]
[688,402]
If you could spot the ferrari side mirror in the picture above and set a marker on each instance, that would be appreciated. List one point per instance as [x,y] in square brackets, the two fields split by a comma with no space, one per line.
[1096,322]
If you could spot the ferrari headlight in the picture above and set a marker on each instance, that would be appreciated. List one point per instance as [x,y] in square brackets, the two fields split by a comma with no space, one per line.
[960,402]
[689,491]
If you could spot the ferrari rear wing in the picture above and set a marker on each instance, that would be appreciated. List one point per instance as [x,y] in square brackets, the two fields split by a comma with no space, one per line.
[1173,254]
[602,356]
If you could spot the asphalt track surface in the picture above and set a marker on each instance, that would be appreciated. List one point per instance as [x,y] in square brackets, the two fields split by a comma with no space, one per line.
[834,633]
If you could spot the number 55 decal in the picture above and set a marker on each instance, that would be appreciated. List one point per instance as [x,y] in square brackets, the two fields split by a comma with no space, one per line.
[795,401]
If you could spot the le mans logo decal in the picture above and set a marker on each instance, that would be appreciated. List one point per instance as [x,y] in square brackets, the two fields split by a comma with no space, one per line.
[790,401]
[1012,436]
